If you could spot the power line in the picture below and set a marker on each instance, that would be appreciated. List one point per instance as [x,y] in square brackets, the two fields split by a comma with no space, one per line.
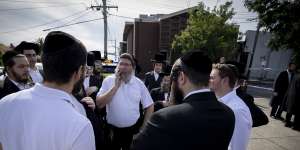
[29,8]
[121,16]
[43,24]
[86,12]
[36,2]
[72,24]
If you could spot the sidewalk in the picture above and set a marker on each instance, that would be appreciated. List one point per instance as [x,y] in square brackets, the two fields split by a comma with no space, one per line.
[274,135]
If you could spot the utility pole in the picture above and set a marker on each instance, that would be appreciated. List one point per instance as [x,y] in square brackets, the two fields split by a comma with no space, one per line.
[253,49]
[115,46]
[104,12]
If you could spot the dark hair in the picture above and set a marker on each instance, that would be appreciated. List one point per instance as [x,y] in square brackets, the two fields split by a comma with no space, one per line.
[62,56]
[291,63]
[227,70]
[8,60]
[129,57]
[196,65]
[27,46]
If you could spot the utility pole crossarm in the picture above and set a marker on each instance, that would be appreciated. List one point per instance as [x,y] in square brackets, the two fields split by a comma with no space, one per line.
[104,8]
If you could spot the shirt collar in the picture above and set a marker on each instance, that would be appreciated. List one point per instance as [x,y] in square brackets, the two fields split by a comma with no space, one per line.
[52,93]
[197,91]
[226,98]
[21,86]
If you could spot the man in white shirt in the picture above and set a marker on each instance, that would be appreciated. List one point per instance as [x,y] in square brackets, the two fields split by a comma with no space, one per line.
[122,93]
[222,81]
[31,50]
[47,116]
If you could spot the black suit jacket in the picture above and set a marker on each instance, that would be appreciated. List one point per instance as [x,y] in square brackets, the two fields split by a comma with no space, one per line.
[200,122]
[95,81]
[259,118]
[93,116]
[150,81]
[280,87]
[157,94]
[8,88]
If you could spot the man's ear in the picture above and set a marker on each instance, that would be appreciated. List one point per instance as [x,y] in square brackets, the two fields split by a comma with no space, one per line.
[80,72]
[225,81]
[182,78]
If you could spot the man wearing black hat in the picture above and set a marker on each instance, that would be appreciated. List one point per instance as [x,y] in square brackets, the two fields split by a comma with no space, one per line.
[47,116]
[16,67]
[31,50]
[160,95]
[92,82]
[152,78]
[199,121]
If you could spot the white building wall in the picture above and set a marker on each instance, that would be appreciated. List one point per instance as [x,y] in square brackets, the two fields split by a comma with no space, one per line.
[266,63]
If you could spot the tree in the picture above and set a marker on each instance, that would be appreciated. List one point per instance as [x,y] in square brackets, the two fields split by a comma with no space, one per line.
[280,18]
[40,42]
[210,31]
[3,48]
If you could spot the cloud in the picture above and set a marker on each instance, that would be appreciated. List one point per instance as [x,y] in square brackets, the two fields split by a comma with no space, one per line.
[91,34]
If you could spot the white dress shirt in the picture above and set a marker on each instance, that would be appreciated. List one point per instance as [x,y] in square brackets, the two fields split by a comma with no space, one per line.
[36,76]
[86,83]
[156,75]
[123,109]
[43,118]
[243,121]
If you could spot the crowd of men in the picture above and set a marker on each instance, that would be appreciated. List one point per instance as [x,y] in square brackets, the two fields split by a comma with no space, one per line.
[69,104]
[286,97]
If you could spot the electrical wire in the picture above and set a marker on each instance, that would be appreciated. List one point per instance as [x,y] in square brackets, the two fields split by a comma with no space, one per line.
[72,24]
[43,24]
[36,2]
[30,8]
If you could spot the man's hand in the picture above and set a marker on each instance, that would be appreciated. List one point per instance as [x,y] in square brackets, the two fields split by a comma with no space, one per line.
[89,101]
[119,79]
[91,90]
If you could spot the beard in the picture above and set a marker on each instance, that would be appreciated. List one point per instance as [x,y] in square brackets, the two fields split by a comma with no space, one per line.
[177,94]
[78,86]
[24,78]
[127,76]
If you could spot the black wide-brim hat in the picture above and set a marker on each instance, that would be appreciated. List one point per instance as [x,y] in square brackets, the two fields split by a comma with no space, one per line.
[97,55]
[90,59]
[159,58]
[27,46]
[166,71]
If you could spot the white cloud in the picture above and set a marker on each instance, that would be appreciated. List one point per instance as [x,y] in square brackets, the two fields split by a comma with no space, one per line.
[91,34]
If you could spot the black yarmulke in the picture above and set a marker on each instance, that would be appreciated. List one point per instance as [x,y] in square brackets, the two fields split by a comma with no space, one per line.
[57,41]
[27,46]
[197,61]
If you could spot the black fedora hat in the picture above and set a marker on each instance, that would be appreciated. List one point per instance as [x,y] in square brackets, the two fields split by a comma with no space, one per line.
[159,58]
[97,55]
[90,59]
[166,71]
[27,46]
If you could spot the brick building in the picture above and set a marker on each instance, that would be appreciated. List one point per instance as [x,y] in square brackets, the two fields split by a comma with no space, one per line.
[151,34]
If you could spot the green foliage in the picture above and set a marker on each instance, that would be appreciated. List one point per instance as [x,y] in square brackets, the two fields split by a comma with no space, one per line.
[210,31]
[281,19]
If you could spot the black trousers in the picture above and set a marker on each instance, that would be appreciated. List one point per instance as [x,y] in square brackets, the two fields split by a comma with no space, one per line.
[276,111]
[121,137]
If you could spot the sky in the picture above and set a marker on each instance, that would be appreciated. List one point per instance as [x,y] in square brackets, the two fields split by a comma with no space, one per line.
[25,20]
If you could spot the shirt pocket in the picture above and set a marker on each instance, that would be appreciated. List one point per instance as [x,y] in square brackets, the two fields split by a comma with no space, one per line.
[134,95]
